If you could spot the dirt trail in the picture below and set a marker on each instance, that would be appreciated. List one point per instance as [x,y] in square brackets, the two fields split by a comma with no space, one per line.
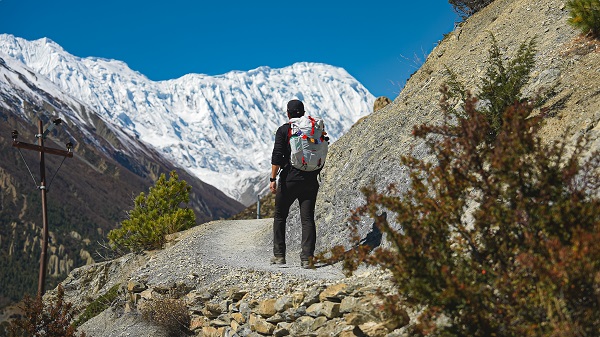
[248,244]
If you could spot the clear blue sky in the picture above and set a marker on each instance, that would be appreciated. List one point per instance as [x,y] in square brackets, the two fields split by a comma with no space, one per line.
[380,43]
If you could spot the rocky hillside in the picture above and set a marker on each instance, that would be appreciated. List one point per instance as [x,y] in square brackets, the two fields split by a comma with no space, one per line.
[371,150]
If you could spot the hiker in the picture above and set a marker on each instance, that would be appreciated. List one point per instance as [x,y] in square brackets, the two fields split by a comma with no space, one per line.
[295,183]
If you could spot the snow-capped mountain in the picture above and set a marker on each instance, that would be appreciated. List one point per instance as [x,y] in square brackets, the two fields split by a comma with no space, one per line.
[218,128]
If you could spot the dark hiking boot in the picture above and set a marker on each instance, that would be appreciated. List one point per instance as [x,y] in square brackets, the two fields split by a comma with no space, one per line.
[278,260]
[307,264]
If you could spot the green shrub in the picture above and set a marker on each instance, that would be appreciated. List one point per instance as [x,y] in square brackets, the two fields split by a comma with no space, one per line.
[155,215]
[466,8]
[169,313]
[585,16]
[98,305]
[44,319]
[501,85]
[499,238]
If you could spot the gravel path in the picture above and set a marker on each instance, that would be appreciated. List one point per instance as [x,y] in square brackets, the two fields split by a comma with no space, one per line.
[227,250]
[209,259]
[248,243]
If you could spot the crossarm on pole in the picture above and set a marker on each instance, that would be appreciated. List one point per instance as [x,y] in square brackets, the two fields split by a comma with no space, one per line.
[38,148]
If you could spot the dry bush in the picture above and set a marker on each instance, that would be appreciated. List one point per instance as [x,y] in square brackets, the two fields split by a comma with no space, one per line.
[52,319]
[466,8]
[169,313]
[581,45]
[499,238]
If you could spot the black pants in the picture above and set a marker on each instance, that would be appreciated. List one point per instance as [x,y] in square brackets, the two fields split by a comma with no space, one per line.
[287,193]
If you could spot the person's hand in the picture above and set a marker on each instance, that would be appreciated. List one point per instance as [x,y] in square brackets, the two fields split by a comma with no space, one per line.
[273,187]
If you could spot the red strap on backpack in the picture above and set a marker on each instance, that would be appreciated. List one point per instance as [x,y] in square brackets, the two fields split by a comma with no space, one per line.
[312,122]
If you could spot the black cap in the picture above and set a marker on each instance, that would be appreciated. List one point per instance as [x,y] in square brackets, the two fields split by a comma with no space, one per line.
[295,106]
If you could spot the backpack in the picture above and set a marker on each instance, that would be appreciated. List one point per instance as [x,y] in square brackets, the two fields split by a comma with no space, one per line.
[308,143]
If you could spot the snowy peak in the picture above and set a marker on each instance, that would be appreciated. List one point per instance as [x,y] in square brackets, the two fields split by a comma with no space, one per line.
[219,128]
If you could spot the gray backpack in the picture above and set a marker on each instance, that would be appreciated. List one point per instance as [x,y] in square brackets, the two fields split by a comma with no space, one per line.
[309,143]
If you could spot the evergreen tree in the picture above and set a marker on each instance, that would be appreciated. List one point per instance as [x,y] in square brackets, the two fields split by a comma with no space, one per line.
[500,87]
[155,215]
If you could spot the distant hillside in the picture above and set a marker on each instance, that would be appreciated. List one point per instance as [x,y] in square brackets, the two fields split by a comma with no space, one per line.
[266,207]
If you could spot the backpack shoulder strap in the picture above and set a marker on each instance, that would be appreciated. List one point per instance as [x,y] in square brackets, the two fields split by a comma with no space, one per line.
[312,125]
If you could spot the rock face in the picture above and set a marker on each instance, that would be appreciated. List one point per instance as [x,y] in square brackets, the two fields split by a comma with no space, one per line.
[370,151]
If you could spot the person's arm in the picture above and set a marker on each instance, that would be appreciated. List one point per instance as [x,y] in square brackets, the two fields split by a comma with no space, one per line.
[278,158]
[273,184]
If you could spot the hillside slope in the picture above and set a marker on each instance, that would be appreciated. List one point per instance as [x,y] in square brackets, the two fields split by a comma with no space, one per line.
[90,193]
[371,150]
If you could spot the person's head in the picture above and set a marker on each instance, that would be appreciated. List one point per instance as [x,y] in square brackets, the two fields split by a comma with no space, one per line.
[295,109]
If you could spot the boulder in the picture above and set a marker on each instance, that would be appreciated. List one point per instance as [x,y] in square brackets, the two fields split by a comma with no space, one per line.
[260,325]
[334,293]
[266,308]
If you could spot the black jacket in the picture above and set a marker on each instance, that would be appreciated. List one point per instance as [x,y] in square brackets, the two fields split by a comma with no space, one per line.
[281,157]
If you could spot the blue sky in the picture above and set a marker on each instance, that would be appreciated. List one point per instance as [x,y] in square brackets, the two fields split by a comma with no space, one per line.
[380,43]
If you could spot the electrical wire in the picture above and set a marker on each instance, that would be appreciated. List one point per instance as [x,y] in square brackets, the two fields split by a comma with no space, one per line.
[32,177]
[51,180]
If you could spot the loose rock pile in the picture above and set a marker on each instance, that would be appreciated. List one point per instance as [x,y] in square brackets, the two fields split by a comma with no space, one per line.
[351,307]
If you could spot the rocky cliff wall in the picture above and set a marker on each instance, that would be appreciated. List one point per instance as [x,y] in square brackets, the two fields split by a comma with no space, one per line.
[370,152]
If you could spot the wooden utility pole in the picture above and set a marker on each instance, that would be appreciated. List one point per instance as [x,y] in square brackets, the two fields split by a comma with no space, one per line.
[42,150]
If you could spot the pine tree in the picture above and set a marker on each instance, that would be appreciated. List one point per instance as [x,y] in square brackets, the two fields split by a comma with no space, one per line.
[501,85]
[155,215]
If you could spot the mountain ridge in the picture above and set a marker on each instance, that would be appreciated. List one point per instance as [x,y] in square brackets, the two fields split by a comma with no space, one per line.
[113,162]
[218,128]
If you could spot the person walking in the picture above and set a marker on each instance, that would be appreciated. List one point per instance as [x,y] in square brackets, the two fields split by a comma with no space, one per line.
[294,184]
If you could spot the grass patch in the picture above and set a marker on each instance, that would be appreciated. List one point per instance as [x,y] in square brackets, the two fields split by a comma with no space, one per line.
[98,305]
